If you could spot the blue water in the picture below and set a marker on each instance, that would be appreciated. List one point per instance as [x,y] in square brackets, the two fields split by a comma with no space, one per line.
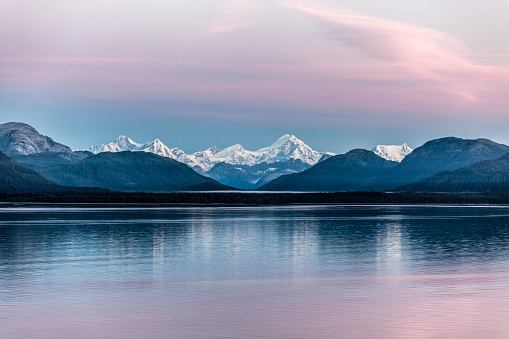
[262,272]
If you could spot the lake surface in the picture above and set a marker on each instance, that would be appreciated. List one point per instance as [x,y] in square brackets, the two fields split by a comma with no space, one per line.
[260,272]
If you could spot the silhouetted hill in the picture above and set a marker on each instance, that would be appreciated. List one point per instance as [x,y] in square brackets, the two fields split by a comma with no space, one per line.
[436,156]
[14,177]
[127,171]
[484,176]
[342,172]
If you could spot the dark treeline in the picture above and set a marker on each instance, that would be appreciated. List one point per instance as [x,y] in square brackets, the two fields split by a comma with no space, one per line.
[236,198]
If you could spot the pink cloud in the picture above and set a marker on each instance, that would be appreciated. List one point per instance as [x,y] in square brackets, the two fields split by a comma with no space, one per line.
[386,39]
[419,52]
[367,64]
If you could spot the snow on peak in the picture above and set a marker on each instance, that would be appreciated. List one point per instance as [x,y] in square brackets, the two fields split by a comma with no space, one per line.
[123,143]
[213,150]
[127,142]
[120,144]
[289,147]
[123,138]
[392,152]
[17,138]
[286,148]
[281,141]
[284,139]
[235,155]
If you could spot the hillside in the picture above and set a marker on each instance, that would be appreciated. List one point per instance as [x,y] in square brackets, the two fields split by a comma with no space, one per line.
[484,176]
[130,171]
[436,156]
[339,173]
[14,177]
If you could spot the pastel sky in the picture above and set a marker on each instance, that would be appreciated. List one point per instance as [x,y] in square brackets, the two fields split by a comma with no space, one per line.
[338,74]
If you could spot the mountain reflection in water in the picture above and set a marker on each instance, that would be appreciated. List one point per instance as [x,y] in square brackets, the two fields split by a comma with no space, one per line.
[313,271]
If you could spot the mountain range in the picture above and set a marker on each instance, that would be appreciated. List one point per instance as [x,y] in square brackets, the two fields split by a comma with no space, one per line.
[234,165]
[32,161]
[288,147]
[362,170]
[57,165]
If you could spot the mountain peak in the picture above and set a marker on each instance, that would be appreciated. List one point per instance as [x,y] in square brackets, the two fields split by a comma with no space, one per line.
[17,138]
[287,147]
[155,142]
[230,151]
[454,144]
[122,137]
[280,142]
[123,143]
[284,139]
[392,152]
[123,140]
[18,126]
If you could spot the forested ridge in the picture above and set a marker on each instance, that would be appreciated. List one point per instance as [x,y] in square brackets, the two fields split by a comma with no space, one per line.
[242,198]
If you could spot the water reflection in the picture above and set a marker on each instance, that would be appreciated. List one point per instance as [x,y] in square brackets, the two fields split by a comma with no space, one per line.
[269,271]
[390,247]
[281,240]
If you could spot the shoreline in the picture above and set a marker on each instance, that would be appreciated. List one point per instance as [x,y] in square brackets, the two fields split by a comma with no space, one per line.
[246,199]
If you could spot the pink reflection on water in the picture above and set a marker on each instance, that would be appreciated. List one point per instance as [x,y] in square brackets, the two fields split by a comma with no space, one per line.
[387,306]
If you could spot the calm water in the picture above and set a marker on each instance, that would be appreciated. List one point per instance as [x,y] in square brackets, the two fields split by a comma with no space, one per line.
[274,272]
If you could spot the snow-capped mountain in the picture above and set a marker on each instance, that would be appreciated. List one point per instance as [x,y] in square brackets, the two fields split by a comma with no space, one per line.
[233,155]
[392,152]
[286,148]
[123,143]
[289,147]
[233,165]
[17,138]
[120,144]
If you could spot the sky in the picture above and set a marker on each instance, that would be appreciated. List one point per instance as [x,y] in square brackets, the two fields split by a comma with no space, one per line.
[338,74]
